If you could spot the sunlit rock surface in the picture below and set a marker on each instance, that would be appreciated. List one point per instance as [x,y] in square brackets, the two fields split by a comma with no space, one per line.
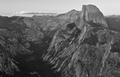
[92,14]
[83,48]
[73,44]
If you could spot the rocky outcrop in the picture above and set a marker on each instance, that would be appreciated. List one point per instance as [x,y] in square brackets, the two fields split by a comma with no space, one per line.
[84,48]
[76,43]
[91,14]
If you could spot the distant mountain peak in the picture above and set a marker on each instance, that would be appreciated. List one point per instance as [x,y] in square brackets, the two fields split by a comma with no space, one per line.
[72,11]
[90,13]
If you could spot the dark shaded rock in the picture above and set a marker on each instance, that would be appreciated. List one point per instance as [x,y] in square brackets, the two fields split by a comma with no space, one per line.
[73,44]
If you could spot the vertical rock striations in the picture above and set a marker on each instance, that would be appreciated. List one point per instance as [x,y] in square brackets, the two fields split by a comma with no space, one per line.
[78,44]
[84,49]
[91,14]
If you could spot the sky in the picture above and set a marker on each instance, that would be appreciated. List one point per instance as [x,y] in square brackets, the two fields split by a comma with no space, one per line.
[108,7]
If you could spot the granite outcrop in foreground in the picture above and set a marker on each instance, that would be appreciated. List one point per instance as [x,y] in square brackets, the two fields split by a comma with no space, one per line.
[77,44]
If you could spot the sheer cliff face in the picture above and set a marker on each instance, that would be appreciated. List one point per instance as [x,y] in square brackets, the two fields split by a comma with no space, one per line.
[91,13]
[78,44]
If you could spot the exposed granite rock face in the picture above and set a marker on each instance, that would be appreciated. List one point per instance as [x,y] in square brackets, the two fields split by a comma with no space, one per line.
[83,49]
[93,14]
[90,14]
[77,43]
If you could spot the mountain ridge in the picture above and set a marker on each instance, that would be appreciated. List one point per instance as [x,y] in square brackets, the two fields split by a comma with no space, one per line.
[76,43]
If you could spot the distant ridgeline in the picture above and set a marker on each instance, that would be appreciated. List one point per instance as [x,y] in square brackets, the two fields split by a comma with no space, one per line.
[73,44]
